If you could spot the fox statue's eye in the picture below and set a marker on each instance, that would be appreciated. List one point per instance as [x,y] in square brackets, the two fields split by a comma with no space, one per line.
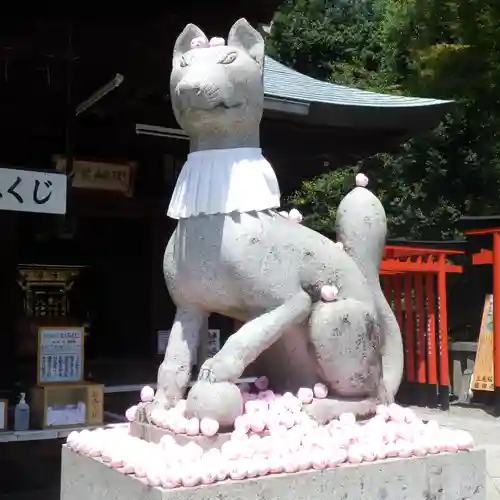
[183,63]
[228,58]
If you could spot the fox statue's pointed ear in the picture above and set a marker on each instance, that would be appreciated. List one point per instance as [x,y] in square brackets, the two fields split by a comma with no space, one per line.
[183,42]
[243,36]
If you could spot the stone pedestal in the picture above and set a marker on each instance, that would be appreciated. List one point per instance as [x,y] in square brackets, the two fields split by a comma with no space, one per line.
[444,477]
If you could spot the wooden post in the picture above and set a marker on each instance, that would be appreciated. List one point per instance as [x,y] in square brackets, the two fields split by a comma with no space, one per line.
[398,309]
[408,331]
[386,288]
[420,338]
[444,385]
[431,340]
[404,394]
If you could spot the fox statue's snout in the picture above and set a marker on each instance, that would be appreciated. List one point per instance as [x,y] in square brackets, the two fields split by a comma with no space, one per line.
[197,95]
[204,90]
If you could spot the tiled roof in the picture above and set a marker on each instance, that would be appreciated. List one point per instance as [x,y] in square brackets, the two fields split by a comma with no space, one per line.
[282,82]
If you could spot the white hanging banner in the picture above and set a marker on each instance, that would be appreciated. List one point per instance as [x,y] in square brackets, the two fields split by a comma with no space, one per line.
[32,191]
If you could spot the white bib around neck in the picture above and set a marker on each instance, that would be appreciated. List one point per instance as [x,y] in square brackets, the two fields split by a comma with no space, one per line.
[221,181]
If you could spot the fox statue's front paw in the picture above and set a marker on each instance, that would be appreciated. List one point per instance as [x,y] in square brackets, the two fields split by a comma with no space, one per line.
[221,368]
[205,374]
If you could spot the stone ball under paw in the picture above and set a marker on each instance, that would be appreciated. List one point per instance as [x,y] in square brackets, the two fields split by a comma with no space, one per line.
[220,401]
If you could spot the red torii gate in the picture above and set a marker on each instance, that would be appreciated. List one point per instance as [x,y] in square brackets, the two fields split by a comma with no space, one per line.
[413,277]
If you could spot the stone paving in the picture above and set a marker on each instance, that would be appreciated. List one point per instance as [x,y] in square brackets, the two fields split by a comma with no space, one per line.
[486,432]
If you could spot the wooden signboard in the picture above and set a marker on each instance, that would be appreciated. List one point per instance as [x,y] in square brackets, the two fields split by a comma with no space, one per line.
[60,354]
[100,176]
[95,405]
[482,378]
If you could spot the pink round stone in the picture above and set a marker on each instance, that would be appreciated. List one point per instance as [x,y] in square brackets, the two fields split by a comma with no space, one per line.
[320,391]
[257,423]
[262,467]
[192,427]
[208,474]
[262,383]
[190,476]
[347,419]
[361,180]
[131,413]
[199,42]
[295,216]
[147,394]
[244,388]
[238,470]
[217,42]
[319,460]
[305,395]
[267,396]
[329,293]
[355,454]
[242,424]
[209,427]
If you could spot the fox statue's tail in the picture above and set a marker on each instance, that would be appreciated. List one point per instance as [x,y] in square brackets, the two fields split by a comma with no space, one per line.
[361,226]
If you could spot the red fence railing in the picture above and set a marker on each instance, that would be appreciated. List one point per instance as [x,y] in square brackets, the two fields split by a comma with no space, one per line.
[414,282]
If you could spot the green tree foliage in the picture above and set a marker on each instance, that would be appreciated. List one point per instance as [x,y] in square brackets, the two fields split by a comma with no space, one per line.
[328,40]
[446,49]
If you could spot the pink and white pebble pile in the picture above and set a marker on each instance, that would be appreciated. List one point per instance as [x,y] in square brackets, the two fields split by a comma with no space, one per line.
[272,436]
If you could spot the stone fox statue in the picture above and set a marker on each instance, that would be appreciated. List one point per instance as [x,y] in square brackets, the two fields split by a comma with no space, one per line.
[232,253]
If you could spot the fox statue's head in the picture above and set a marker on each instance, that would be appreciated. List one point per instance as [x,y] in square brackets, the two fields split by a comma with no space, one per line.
[216,88]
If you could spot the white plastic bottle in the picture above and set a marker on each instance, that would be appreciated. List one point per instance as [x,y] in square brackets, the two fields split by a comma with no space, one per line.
[22,414]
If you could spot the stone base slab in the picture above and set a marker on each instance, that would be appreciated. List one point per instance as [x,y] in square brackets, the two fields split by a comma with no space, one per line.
[457,476]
